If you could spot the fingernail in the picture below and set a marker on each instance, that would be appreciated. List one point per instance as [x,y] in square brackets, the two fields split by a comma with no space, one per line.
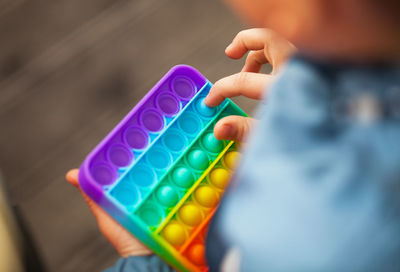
[206,100]
[228,47]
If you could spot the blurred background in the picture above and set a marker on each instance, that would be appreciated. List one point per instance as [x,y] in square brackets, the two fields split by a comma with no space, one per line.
[69,71]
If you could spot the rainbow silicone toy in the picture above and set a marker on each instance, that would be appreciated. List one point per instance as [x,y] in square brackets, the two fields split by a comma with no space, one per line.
[161,172]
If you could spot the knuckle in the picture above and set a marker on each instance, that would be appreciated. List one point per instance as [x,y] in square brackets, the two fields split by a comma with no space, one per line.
[267,32]
[241,79]
[217,86]
[241,132]
[244,128]
[252,55]
[241,33]
[257,57]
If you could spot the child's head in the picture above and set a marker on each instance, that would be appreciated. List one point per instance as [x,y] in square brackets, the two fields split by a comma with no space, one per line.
[347,29]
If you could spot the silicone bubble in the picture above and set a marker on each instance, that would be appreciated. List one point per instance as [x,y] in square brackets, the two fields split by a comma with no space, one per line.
[190,123]
[126,195]
[198,159]
[196,254]
[206,196]
[183,87]
[168,104]
[167,195]
[231,158]
[119,155]
[191,215]
[159,158]
[174,140]
[103,173]
[143,175]
[183,177]
[150,214]
[212,144]
[219,177]
[136,137]
[175,234]
[152,120]
[203,109]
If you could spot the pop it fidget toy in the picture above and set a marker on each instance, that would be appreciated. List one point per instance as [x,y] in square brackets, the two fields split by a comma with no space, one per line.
[161,172]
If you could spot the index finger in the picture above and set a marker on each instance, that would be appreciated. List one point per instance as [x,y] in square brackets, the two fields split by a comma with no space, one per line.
[246,40]
[250,85]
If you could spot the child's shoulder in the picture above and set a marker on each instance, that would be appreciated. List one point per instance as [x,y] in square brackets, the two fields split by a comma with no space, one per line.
[345,92]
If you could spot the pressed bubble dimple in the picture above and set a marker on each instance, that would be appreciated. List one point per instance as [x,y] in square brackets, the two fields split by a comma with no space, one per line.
[174,140]
[103,173]
[119,155]
[174,233]
[183,177]
[206,196]
[203,109]
[152,120]
[198,159]
[219,177]
[190,214]
[212,144]
[126,195]
[136,138]
[168,104]
[142,175]
[159,158]
[150,215]
[183,87]
[190,123]
[167,196]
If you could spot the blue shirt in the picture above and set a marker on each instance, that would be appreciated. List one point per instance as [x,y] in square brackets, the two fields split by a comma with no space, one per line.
[318,187]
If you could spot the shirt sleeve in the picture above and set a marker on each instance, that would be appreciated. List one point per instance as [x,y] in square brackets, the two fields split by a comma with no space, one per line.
[140,264]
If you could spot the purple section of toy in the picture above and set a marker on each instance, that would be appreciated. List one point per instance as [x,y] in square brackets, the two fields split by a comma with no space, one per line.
[141,126]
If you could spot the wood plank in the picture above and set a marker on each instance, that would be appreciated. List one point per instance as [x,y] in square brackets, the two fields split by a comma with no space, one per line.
[28,28]
[102,27]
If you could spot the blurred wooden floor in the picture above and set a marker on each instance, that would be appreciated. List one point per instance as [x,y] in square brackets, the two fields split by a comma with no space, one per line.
[69,71]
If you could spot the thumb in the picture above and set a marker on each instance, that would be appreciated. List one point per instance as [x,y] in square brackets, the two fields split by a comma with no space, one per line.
[72,178]
[234,128]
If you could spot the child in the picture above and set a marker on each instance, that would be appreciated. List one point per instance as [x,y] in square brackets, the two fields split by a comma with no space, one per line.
[318,185]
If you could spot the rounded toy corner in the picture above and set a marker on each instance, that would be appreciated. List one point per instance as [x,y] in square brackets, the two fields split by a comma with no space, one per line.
[187,68]
[88,185]
[183,66]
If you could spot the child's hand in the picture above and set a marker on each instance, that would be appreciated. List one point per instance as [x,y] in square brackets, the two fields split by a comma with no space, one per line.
[265,47]
[119,237]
